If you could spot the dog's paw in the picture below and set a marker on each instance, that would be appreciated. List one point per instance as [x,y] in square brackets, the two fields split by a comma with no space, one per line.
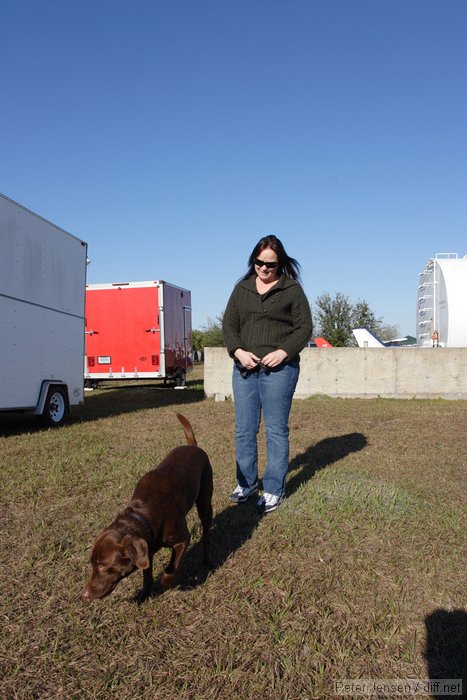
[142,596]
[168,581]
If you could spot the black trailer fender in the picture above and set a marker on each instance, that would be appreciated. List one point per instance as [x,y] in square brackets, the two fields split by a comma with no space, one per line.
[54,404]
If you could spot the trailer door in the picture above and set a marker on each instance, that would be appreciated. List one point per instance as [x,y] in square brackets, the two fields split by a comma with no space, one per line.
[187,337]
[123,331]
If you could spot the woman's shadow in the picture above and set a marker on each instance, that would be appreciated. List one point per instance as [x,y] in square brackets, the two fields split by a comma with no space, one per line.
[235,525]
[446,650]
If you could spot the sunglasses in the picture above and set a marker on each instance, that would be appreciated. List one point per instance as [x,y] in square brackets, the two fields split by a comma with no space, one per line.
[262,263]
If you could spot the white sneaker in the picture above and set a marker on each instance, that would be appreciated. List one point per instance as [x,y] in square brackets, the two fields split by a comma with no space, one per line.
[269,502]
[242,494]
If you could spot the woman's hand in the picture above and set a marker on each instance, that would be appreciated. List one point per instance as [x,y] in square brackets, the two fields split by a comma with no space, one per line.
[275,358]
[247,359]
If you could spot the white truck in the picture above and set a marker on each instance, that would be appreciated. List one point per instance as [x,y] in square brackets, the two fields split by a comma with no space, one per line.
[42,303]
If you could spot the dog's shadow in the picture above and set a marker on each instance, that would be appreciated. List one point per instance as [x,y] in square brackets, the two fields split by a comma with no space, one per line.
[236,524]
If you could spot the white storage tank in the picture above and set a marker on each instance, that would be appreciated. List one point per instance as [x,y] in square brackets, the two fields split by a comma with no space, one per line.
[442,302]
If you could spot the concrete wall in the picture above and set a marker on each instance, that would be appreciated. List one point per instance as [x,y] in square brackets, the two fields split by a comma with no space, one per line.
[402,373]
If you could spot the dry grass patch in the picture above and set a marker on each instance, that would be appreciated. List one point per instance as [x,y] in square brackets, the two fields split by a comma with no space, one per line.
[358,575]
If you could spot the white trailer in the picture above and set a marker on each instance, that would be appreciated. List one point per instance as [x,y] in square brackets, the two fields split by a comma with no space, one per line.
[42,301]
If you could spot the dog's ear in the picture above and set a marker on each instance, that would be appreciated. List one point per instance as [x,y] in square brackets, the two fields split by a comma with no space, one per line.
[137,550]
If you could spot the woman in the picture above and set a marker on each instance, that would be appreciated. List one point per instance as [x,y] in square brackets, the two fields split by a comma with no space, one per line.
[266,324]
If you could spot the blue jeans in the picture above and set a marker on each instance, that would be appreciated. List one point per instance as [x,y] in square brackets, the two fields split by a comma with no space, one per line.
[269,391]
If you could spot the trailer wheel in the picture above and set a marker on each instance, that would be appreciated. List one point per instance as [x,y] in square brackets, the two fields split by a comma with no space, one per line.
[91,383]
[55,409]
[181,377]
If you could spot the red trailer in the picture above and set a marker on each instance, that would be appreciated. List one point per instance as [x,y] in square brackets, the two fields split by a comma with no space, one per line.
[137,330]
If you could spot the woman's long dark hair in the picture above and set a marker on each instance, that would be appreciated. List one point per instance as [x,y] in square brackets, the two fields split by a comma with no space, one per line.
[287,266]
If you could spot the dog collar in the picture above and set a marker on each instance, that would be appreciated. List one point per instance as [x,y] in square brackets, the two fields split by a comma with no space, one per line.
[147,528]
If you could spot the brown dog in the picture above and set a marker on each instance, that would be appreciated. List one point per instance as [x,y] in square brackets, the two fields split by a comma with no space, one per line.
[155,518]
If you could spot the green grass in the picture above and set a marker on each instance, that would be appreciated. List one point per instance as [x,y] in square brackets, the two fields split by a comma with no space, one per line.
[359,574]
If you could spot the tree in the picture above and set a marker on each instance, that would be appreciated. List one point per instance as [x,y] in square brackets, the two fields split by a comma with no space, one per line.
[388,331]
[334,318]
[213,337]
[197,338]
[210,335]
[363,317]
[337,316]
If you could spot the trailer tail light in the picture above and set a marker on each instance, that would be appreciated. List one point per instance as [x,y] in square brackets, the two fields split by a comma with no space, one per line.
[155,359]
[91,361]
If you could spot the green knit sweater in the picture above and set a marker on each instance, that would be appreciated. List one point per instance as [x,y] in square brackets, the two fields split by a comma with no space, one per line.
[261,323]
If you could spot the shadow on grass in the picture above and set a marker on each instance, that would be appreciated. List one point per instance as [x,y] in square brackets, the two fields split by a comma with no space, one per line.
[231,528]
[321,455]
[110,401]
[235,525]
[445,650]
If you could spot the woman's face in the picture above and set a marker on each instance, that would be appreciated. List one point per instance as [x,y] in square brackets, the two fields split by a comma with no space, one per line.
[267,273]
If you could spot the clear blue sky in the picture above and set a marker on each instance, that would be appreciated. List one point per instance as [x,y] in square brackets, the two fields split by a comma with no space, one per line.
[172,134]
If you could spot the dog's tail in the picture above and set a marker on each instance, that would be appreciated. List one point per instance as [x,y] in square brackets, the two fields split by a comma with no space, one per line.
[187,429]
